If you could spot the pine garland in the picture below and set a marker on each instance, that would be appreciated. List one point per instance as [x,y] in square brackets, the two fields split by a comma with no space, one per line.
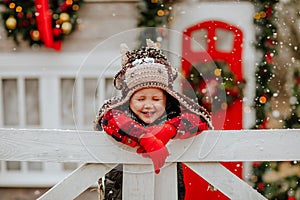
[266,39]
[154,18]
[275,180]
[293,120]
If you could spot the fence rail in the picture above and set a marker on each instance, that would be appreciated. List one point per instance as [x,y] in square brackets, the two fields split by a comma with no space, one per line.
[202,154]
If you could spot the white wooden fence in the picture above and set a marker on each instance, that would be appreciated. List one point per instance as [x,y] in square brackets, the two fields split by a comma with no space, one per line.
[54,91]
[99,153]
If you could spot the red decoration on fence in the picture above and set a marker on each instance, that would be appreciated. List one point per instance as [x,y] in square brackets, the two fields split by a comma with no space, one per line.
[197,187]
[44,24]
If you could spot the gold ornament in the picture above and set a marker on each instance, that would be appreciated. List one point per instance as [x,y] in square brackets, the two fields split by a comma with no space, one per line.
[262,99]
[218,72]
[59,21]
[35,35]
[11,23]
[160,13]
[257,16]
[12,5]
[75,7]
[262,14]
[69,2]
[66,27]
[19,9]
[64,17]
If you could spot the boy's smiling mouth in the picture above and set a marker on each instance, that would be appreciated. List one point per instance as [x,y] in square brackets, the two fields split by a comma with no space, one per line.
[148,113]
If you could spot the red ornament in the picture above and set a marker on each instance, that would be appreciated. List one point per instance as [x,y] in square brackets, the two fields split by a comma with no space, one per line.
[32,21]
[29,15]
[291,198]
[20,14]
[57,32]
[24,23]
[270,43]
[269,12]
[263,125]
[256,164]
[261,186]
[64,7]
[269,57]
[297,80]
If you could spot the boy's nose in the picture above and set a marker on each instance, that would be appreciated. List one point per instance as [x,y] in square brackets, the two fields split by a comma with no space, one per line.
[148,104]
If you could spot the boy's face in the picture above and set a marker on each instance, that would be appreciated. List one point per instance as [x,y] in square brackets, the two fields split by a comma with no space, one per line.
[148,104]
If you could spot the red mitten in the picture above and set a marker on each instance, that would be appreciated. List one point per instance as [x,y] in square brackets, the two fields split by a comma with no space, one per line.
[155,149]
[163,132]
[122,128]
[188,125]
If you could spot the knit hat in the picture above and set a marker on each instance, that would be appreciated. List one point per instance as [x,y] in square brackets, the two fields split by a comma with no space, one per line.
[143,68]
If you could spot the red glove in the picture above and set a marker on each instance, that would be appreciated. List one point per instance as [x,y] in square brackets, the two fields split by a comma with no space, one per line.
[163,132]
[122,128]
[188,125]
[155,149]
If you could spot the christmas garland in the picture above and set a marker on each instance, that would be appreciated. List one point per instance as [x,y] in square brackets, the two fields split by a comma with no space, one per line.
[275,180]
[265,43]
[205,78]
[40,22]
[154,17]
[293,120]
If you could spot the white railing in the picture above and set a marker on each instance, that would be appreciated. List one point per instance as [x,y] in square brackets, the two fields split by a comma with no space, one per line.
[201,153]
[50,90]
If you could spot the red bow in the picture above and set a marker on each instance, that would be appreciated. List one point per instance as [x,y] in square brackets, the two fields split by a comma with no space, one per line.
[44,24]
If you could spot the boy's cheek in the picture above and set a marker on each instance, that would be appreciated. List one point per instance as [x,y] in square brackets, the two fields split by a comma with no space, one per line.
[136,104]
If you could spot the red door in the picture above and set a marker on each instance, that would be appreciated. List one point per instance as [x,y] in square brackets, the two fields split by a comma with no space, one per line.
[196,187]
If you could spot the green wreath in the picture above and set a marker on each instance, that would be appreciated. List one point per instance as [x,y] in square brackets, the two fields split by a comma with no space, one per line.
[19,19]
[210,80]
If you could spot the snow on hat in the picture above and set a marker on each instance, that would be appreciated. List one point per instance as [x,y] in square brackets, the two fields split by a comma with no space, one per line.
[143,68]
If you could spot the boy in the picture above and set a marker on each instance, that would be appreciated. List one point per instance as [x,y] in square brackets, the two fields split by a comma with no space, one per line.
[149,113]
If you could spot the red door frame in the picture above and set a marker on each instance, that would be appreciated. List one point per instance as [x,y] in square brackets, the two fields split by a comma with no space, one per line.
[197,187]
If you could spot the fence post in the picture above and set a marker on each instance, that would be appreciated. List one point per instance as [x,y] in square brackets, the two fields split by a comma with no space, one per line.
[138,182]
[166,183]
